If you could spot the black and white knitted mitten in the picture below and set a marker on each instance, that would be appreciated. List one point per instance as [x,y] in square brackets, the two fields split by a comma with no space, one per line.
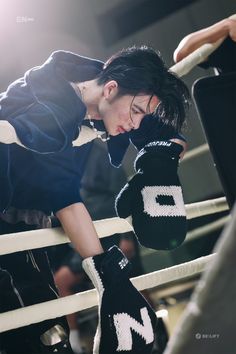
[153,197]
[126,321]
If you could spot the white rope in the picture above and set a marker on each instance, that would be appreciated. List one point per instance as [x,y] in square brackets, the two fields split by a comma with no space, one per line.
[207,229]
[196,233]
[26,240]
[201,149]
[198,56]
[80,301]
[206,207]
[22,241]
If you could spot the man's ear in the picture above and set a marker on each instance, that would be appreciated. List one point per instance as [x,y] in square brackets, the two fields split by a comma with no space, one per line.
[110,89]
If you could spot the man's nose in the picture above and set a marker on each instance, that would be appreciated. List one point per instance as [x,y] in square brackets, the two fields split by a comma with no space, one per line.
[137,121]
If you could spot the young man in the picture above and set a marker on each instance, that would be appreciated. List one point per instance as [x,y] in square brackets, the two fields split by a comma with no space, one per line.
[132,97]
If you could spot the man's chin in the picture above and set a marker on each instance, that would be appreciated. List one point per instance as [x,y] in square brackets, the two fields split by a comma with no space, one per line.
[114,133]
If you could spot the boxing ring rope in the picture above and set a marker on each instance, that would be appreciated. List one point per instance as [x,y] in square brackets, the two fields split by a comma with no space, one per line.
[199,150]
[22,241]
[197,233]
[48,237]
[81,301]
[206,229]
[198,56]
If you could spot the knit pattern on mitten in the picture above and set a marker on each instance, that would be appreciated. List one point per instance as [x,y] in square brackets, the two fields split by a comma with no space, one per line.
[154,198]
[126,321]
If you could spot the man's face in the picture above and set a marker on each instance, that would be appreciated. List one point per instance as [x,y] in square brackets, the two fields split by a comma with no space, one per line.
[120,114]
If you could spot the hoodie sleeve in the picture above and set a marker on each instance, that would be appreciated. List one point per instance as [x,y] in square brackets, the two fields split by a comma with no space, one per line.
[43,107]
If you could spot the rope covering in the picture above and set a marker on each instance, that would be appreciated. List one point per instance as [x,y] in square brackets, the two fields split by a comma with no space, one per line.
[23,241]
[81,301]
[198,56]
[206,207]
[198,151]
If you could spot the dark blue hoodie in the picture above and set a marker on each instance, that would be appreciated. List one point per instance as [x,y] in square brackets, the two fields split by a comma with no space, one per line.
[47,114]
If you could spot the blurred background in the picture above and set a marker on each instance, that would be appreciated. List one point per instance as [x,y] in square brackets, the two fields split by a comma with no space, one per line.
[31,29]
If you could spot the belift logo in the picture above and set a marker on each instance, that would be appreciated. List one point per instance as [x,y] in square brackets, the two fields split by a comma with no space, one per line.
[124,324]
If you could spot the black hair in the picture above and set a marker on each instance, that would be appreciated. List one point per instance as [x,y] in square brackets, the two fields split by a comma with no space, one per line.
[141,70]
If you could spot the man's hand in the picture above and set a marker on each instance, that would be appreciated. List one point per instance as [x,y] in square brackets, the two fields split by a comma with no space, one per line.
[126,321]
[212,34]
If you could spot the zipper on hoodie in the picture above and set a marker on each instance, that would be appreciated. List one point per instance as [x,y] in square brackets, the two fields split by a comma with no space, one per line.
[16,291]
[35,265]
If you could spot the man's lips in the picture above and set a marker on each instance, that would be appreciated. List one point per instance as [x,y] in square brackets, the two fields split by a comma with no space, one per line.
[121,130]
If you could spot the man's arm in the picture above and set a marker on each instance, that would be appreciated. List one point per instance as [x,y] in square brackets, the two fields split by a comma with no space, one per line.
[221,29]
[79,227]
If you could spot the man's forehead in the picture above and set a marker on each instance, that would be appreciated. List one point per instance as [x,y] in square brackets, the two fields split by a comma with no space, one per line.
[148,103]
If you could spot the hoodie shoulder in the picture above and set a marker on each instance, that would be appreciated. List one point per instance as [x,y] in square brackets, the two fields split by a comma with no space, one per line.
[74,67]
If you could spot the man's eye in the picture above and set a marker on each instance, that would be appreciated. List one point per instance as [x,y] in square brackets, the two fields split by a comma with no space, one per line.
[135,111]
